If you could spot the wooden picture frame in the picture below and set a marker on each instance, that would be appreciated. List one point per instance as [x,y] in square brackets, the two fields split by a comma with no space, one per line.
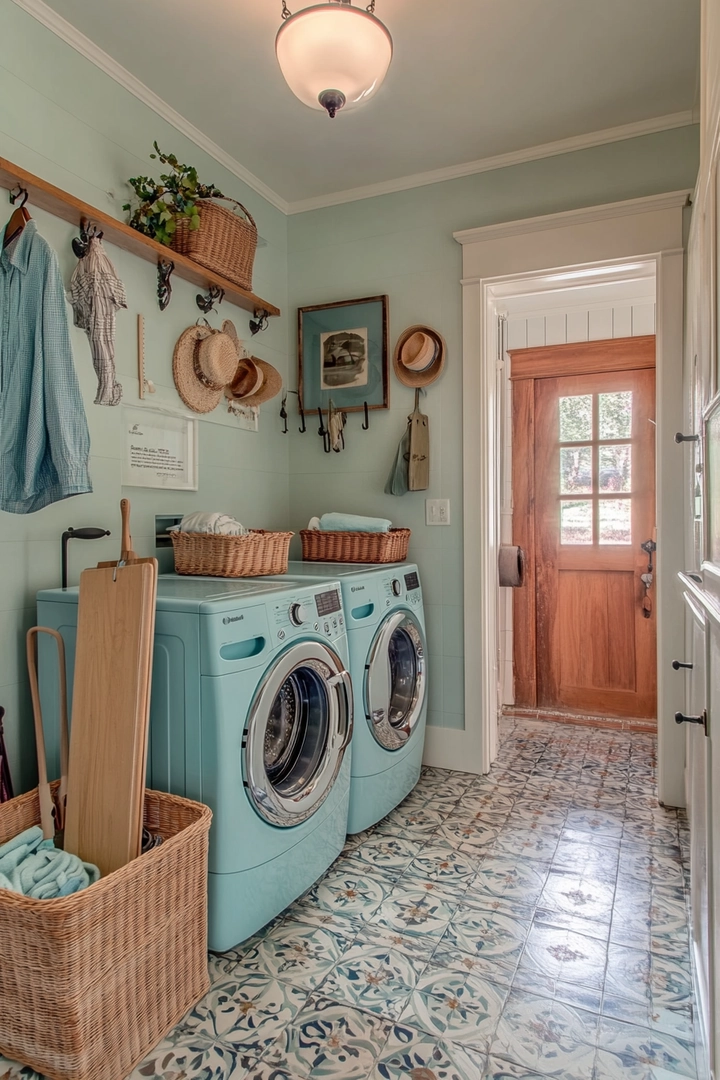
[343,355]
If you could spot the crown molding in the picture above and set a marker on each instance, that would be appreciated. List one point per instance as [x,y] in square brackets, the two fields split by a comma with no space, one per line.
[87,48]
[102,60]
[650,203]
[499,161]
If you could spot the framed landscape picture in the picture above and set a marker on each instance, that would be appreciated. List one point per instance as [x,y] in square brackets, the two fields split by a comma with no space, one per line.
[343,355]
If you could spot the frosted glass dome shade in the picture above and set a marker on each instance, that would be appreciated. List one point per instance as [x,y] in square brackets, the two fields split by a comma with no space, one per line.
[333,55]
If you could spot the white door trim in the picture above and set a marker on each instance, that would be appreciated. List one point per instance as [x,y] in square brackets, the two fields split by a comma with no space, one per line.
[494,262]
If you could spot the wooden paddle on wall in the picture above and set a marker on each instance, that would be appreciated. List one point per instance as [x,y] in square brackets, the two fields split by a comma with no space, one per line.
[111,708]
[419,463]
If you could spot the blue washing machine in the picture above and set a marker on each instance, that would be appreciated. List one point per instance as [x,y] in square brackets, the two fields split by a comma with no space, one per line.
[251,713]
[386,636]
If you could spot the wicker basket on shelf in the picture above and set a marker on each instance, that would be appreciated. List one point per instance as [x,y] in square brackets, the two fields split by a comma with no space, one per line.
[90,983]
[225,242]
[361,547]
[206,555]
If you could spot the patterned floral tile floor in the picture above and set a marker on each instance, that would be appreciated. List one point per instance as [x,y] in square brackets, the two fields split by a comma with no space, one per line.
[531,923]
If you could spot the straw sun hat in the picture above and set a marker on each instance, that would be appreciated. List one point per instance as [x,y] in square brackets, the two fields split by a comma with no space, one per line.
[254,380]
[419,356]
[207,361]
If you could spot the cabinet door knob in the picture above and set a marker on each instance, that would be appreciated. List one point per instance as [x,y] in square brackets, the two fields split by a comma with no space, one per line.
[681,718]
[680,438]
[677,664]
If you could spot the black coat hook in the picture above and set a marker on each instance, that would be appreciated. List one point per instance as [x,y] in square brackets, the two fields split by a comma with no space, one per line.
[324,433]
[366,422]
[260,322]
[283,413]
[213,296]
[13,196]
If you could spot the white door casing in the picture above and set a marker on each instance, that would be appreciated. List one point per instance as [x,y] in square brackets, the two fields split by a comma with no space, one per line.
[505,259]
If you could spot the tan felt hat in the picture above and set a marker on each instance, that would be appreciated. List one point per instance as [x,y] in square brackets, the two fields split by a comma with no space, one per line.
[204,362]
[270,386]
[254,380]
[419,356]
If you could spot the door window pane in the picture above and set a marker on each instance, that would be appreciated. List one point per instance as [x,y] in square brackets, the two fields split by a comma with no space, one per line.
[576,470]
[615,415]
[576,519]
[576,418]
[615,474]
[614,520]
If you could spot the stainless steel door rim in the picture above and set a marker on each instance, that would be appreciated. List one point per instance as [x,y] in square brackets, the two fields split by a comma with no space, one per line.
[395,680]
[299,726]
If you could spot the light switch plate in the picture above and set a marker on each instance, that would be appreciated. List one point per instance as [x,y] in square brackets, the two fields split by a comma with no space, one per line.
[437,511]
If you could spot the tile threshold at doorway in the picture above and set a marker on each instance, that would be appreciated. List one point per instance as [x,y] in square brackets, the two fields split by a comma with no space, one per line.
[523,925]
[604,723]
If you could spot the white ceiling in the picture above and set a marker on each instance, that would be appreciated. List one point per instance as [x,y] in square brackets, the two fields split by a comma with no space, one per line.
[470,79]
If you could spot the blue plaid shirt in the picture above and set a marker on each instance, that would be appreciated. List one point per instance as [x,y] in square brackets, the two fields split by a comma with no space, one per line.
[44,440]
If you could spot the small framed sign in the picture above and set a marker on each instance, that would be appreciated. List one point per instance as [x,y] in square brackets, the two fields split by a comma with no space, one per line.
[160,449]
[343,355]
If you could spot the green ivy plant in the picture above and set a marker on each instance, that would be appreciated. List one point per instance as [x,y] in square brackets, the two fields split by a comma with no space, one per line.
[160,203]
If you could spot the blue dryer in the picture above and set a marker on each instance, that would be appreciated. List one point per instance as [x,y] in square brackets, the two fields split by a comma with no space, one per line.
[251,713]
[388,662]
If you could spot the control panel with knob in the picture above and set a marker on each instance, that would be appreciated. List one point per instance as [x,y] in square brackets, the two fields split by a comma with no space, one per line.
[396,587]
[300,613]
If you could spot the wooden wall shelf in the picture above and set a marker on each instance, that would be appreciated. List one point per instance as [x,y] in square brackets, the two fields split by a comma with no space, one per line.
[63,205]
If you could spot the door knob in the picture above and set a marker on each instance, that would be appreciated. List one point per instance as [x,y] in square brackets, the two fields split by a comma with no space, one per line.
[677,664]
[681,718]
[680,438]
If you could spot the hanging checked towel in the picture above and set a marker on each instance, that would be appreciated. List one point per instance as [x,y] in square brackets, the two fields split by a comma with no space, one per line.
[96,293]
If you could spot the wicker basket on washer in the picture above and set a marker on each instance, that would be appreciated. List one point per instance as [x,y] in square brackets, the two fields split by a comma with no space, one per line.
[90,983]
[207,555]
[362,547]
[224,242]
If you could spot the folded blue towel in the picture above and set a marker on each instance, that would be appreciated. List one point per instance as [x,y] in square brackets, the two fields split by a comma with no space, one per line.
[36,868]
[353,523]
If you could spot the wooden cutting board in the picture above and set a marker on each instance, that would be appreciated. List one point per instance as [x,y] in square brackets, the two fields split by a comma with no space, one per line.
[110,713]
[419,463]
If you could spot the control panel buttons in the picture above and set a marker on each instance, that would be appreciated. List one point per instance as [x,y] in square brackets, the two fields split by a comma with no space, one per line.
[281,635]
[327,628]
[299,614]
[396,587]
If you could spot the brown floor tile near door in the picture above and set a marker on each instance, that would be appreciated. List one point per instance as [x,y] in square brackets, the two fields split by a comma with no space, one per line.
[607,723]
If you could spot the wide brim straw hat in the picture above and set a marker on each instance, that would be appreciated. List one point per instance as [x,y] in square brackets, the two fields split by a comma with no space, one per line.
[419,357]
[204,362]
[254,381]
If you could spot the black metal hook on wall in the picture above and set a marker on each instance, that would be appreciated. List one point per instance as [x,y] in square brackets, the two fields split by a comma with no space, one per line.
[324,433]
[260,322]
[213,296]
[164,286]
[283,412]
[81,243]
[15,195]
[366,422]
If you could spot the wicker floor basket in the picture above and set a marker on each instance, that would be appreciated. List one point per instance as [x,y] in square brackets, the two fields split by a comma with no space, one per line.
[362,547]
[231,556]
[224,242]
[90,983]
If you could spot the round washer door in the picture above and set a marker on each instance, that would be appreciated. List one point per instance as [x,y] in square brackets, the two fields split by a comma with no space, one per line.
[395,680]
[299,726]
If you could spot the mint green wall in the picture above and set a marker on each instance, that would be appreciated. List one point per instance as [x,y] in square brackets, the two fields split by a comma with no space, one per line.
[66,121]
[402,245]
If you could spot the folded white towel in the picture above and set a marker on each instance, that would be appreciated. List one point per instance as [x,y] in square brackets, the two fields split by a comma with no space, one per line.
[314,523]
[216,524]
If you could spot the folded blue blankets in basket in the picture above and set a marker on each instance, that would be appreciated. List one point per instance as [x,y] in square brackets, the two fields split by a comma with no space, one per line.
[36,868]
[353,523]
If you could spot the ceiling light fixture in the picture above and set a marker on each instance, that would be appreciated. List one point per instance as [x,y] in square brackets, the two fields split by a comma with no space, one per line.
[333,55]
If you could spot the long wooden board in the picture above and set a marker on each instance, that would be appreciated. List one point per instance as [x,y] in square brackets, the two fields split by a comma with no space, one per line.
[111,707]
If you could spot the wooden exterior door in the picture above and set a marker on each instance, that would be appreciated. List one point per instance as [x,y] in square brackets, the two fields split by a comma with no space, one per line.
[584,462]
